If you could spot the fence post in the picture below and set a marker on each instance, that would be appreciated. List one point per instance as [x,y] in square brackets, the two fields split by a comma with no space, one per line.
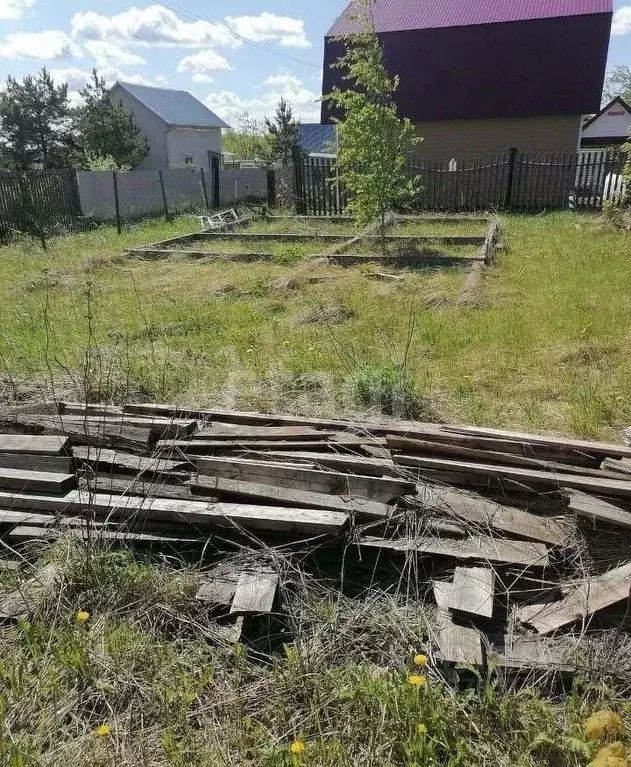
[512,158]
[204,190]
[271,188]
[117,202]
[167,215]
[298,180]
[214,166]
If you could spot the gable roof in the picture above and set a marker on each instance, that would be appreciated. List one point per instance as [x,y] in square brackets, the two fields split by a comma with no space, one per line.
[317,139]
[407,15]
[618,100]
[176,108]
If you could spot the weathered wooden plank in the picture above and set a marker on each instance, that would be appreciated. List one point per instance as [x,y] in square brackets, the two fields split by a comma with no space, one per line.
[35,444]
[255,593]
[581,602]
[473,591]
[94,433]
[161,428]
[598,510]
[462,470]
[204,446]
[382,489]
[176,511]
[58,464]
[36,481]
[123,462]
[622,466]
[266,433]
[459,645]
[232,489]
[479,549]
[436,448]
[535,652]
[29,533]
[602,449]
[129,485]
[490,515]
[218,587]
[376,467]
[31,594]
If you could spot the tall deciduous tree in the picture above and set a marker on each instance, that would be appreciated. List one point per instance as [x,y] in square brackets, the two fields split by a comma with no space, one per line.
[35,121]
[249,141]
[374,142]
[284,133]
[618,83]
[108,130]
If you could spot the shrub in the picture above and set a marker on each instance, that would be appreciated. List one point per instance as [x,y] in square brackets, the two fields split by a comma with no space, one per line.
[390,389]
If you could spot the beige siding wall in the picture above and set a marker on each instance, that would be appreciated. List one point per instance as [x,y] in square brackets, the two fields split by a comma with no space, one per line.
[470,138]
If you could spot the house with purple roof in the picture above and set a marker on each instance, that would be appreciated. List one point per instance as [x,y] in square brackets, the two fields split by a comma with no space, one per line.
[480,76]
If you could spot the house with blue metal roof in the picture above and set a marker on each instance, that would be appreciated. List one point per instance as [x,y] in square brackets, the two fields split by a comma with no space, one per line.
[181,130]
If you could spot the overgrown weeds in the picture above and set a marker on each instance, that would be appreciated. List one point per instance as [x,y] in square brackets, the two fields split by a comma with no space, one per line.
[122,667]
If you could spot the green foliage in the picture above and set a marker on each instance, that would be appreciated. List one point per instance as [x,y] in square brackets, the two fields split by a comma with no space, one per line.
[108,130]
[249,141]
[284,134]
[35,123]
[374,142]
[103,162]
[390,389]
[618,83]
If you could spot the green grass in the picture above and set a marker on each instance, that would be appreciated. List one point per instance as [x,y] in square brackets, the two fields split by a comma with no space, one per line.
[150,664]
[427,228]
[545,346]
[302,226]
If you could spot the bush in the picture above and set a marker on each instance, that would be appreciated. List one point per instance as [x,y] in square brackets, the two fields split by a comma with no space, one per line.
[389,389]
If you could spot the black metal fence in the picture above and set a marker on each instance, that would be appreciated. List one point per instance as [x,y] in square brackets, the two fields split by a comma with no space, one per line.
[39,201]
[514,180]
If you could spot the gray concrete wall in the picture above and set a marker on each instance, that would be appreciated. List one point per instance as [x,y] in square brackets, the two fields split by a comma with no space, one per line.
[150,124]
[184,189]
[241,184]
[195,143]
[96,194]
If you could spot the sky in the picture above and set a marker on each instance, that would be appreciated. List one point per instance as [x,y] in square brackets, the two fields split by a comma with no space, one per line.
[238,56]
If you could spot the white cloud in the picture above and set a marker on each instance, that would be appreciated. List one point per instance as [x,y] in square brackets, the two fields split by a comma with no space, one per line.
[622,21]
[287,31]
[111,55]
[304,102]
[77,78]
[203,65]
[49,45]
[153,25]
[14,9]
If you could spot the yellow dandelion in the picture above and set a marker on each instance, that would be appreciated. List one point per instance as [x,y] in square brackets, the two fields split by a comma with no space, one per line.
[420,659]
[614,755]
[298,747]
[103,730]
[421,728]
[82,616]
[603,725]
[416,680]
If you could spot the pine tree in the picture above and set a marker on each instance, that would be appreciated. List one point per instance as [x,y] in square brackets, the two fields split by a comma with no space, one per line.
[284,133]
[374,142]
[107,131]
[36,124]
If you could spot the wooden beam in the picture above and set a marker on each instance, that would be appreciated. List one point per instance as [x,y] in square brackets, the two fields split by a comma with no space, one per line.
[598,510]
[489,515]
[265,433]
[476,549]
[458,645]
[581,602]
[33,443]
[622,466]
[210,446]
[382,489]
[255,593]
[375,467]
[462,472]
[218,587]
[59,464]
[473,592]
[36,481]
[232,489]
[24,533]
[127,462]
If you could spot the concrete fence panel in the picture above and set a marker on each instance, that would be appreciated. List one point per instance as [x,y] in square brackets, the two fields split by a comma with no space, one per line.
[183,189]
[140,194]
[96,194]
[242,184]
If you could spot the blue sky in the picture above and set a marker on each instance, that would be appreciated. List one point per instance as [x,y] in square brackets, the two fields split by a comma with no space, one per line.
[237,56]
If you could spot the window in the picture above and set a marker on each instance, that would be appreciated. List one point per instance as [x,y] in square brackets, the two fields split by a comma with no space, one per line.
[189,160]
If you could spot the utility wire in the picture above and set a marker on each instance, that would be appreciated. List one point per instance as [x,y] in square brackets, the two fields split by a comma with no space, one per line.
[192,16]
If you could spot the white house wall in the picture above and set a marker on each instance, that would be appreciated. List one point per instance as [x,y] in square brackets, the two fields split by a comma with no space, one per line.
[150,124]
[191,142]
[615,123]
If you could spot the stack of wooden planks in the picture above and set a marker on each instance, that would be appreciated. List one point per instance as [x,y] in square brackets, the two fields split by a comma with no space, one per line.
[494,519]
